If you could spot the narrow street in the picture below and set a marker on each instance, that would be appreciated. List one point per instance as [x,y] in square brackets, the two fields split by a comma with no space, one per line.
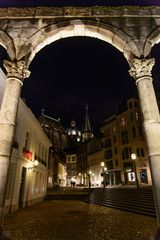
[68,220]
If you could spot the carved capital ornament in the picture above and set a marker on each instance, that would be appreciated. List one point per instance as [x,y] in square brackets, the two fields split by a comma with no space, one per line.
[141,68]
[16,69]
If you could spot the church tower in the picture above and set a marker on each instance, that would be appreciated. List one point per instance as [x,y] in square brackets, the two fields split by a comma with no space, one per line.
[87,131]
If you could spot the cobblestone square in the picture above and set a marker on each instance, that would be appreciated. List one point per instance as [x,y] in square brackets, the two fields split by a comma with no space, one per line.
[68,220]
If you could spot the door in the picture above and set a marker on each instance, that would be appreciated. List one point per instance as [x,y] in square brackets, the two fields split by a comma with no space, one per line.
[22,187]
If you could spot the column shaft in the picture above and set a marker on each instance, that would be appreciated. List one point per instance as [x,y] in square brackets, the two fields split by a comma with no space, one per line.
[15,74]
[152,131]
[7,126]
[141,71]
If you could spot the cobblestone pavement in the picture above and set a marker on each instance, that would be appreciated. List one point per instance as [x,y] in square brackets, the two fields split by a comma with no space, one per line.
[68,220]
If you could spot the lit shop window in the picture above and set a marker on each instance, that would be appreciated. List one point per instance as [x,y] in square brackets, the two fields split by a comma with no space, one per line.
[131,176]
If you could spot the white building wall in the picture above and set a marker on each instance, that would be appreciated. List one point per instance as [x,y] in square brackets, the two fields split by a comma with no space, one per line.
[35,180]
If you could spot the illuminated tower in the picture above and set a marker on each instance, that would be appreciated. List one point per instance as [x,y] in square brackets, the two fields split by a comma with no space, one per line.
[73,132]
[87,131]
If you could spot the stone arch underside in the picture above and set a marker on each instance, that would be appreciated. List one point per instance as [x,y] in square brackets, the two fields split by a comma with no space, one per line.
[133,31]
[7,42]
[75,28]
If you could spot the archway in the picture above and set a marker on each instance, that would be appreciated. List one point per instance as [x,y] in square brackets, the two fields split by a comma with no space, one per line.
[30,30]
[79,67]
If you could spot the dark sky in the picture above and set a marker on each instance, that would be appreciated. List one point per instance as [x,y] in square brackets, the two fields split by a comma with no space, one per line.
[74,71]
[70,73]
[21,3]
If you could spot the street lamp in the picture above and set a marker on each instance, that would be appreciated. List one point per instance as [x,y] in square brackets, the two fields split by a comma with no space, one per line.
[133,157]
[103,173]
[34,165]
[80,178]
[102,164]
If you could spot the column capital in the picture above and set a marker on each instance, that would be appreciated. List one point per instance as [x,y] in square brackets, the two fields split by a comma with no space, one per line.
[16,69]
[141,67]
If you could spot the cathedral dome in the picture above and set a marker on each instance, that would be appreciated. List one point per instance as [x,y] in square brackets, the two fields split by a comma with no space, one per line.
[73,132]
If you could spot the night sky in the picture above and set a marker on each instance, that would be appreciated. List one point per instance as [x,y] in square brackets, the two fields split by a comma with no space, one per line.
[70,73]
[21,3]
[73,72]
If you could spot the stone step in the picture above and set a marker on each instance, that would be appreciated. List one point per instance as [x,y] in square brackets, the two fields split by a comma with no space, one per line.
[132,200]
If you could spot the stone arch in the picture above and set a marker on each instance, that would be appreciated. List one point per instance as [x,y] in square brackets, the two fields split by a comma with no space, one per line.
[53,32]
[7,42]
[152,39]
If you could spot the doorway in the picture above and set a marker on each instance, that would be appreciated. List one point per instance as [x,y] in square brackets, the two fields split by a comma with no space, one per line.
[22,187]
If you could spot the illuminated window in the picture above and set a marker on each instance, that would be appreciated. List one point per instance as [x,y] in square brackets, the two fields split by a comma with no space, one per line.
[131,176]
[123,121]
[137,116]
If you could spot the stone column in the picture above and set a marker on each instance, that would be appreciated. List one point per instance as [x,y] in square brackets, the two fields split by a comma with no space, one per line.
[16,72]
[141,71]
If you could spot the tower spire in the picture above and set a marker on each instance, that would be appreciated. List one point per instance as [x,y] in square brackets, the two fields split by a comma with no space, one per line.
[87,131]
[87,125]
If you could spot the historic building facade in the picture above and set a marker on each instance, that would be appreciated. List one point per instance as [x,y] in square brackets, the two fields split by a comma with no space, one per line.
[27,178]
[57,160]
[123,136]
[94,159]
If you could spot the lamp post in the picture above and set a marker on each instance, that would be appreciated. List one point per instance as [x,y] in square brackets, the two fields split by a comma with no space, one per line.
[133,157]
[80,178]
[102,165]
[89,178]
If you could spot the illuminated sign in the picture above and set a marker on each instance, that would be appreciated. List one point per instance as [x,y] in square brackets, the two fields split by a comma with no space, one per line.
[27,154]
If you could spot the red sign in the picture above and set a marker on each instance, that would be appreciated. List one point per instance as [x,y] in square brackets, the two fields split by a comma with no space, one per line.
[27,154]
